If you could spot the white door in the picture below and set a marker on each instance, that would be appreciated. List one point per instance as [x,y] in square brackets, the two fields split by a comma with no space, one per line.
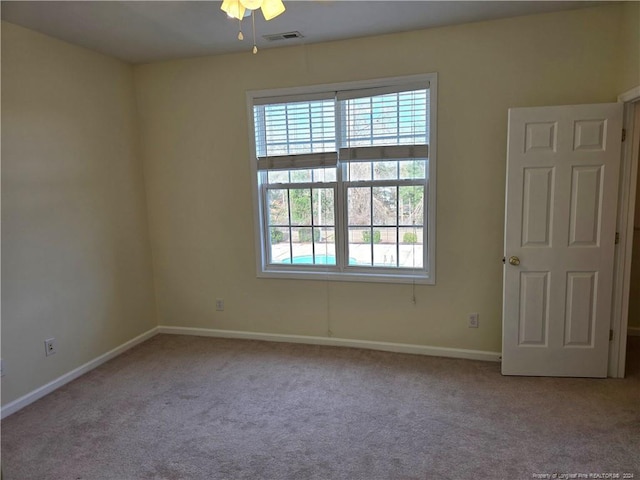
[562,182]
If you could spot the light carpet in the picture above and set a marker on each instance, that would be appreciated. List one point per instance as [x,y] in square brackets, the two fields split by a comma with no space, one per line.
[178,407]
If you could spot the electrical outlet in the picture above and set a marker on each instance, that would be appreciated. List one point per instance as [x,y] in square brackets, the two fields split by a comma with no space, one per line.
[473,320]
[219,304]
[49,346]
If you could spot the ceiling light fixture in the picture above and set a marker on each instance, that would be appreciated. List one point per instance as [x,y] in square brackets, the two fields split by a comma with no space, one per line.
[239,9]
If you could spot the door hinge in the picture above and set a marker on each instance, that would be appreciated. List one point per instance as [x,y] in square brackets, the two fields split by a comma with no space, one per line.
[624,134]
[610,335]
[617,238]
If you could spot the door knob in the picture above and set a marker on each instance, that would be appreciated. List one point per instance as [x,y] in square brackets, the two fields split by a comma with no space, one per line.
[514,260]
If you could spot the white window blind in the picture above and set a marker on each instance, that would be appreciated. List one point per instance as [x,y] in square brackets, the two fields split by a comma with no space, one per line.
[384,126]
[295,134]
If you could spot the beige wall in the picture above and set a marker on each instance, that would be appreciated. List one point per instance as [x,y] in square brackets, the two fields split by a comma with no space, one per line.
[630,46]
[76,260]
[195,150]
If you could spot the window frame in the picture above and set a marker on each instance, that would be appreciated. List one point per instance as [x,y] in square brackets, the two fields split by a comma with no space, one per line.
[265,269]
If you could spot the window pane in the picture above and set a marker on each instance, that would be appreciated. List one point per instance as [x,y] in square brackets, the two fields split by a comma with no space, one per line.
[302,245]
[360,246]
[384,206]
[323,206]
[324,246]
[411,235]
[385,251]
[411,169]
[302,234]
[359,202]
[280,245]
[299,176]
[302,175]
[300,199]
[411,247]
[279,235]
[324,174]
[385,170]
[278,176]
[359,171]
[411,204]
[278,207]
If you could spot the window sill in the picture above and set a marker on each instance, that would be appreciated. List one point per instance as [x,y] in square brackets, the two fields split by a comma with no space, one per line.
[350,276]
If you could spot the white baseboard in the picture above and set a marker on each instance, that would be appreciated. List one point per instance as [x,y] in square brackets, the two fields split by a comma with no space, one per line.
[633,331]
[40,392]
[338,342]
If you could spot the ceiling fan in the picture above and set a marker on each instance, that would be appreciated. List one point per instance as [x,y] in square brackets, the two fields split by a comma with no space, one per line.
[239,9]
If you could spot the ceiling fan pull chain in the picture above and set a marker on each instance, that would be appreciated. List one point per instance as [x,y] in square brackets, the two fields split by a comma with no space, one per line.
[240,36]
[253,20]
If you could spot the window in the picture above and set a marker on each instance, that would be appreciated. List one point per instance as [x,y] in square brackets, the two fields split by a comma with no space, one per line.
[344,180]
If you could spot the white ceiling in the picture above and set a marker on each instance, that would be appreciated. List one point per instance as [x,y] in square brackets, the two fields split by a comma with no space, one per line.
[147,31]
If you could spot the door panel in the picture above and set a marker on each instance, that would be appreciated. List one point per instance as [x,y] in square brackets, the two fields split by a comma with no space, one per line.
[534,314]
[586,199]
[562,179]
[579,319]
[536,211]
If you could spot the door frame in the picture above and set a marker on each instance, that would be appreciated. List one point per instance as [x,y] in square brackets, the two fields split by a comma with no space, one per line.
[625,219]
